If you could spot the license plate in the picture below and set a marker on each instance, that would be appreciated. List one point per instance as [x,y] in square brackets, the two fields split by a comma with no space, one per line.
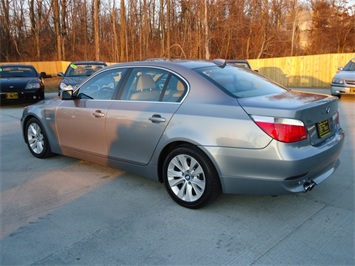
[11,95]
[352,90]
[323,128]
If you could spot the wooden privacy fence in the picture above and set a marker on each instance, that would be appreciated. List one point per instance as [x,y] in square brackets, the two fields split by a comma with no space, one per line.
[298,71]
[302,71]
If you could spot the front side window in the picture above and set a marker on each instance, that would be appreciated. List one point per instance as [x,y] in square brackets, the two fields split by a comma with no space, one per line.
[101,86]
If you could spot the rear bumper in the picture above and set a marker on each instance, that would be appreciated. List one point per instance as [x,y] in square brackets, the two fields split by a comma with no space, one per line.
[278,169]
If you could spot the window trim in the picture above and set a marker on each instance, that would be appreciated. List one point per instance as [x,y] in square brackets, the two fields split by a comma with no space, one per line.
[170,74]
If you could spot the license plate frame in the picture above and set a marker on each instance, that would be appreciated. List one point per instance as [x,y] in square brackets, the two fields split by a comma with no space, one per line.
[12,96]
[323,128]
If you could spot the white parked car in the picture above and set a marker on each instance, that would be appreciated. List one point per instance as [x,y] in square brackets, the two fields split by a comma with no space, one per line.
[344,81]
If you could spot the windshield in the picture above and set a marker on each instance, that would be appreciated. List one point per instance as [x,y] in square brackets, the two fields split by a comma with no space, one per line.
[17,72]
[350,66]
[240,82]
[75,70]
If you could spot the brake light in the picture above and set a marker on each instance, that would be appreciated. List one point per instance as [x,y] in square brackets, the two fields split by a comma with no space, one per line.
[336,118]
[282,129]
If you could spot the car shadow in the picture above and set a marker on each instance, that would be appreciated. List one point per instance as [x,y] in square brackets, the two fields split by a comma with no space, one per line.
[276,74]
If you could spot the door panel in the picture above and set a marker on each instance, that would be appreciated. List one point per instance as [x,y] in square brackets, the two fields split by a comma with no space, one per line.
[133,129]
[81,125]
[135,123]
[81,121]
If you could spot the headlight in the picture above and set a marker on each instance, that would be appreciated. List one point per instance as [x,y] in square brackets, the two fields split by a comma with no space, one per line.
[31,86]
[63,86]
[338,81]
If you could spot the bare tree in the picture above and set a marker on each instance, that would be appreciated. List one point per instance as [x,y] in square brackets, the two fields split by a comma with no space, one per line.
[205,25]
[114,32]
[96,29]
[132,30]
[57,25]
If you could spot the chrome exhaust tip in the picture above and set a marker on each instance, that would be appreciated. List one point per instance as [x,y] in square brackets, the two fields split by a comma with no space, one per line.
[308,186]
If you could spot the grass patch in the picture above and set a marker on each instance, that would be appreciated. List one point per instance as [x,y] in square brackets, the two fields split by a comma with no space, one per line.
[51,84]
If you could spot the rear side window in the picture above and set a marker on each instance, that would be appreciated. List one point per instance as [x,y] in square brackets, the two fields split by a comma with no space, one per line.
[153,85]
[240,82]
[174,90]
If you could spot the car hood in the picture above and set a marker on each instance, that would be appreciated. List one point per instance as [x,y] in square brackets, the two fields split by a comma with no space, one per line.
[73,80]
[345,75]
[16,83]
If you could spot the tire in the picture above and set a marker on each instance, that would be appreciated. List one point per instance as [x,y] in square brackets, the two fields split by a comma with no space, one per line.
[36,139]
[190,177]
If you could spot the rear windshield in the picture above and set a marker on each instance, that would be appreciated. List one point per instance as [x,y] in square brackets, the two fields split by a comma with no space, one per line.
[240,82]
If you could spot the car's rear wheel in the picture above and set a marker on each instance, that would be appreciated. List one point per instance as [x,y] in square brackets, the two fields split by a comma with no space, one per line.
[36,139]
[190,177]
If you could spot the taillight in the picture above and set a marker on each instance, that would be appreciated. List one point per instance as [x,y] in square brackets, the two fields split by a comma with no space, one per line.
[336,118]
[282,129]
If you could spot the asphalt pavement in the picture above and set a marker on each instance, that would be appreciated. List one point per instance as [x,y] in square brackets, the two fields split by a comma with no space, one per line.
[64,211]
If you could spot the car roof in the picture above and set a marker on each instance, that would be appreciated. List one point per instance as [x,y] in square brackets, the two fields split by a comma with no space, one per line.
[190,64]
[237,61]
[88,63]
[17,65]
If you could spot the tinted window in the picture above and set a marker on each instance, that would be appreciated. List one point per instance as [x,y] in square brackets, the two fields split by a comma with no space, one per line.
[75,70]
[350,66]
[152,84]
[18,72]
[239,82]
[101,86]
[175,90]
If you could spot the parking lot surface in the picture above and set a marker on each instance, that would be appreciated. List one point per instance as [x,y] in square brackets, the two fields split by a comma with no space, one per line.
[67,211]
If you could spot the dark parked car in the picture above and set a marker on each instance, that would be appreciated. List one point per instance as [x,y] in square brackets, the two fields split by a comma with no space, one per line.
[77,72]
[198,127]
[344,81]
[19,82]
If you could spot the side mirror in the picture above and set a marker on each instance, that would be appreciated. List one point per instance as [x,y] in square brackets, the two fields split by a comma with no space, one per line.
[67,95]
[340,68]
[44,75]
[60,74]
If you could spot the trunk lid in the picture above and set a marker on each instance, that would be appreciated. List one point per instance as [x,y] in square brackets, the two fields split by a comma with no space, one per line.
[318,112]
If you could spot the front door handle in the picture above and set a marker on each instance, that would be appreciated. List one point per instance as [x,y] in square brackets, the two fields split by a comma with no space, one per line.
[98,114]
[157,119]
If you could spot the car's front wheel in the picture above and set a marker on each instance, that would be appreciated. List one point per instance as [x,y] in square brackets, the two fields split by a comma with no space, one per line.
[36,139]
[190,177]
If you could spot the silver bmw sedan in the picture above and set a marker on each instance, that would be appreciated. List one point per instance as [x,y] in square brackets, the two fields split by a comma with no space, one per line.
[200,128]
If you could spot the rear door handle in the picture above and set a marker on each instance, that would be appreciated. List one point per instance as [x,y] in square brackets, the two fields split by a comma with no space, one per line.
[157,119]
[98,114]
